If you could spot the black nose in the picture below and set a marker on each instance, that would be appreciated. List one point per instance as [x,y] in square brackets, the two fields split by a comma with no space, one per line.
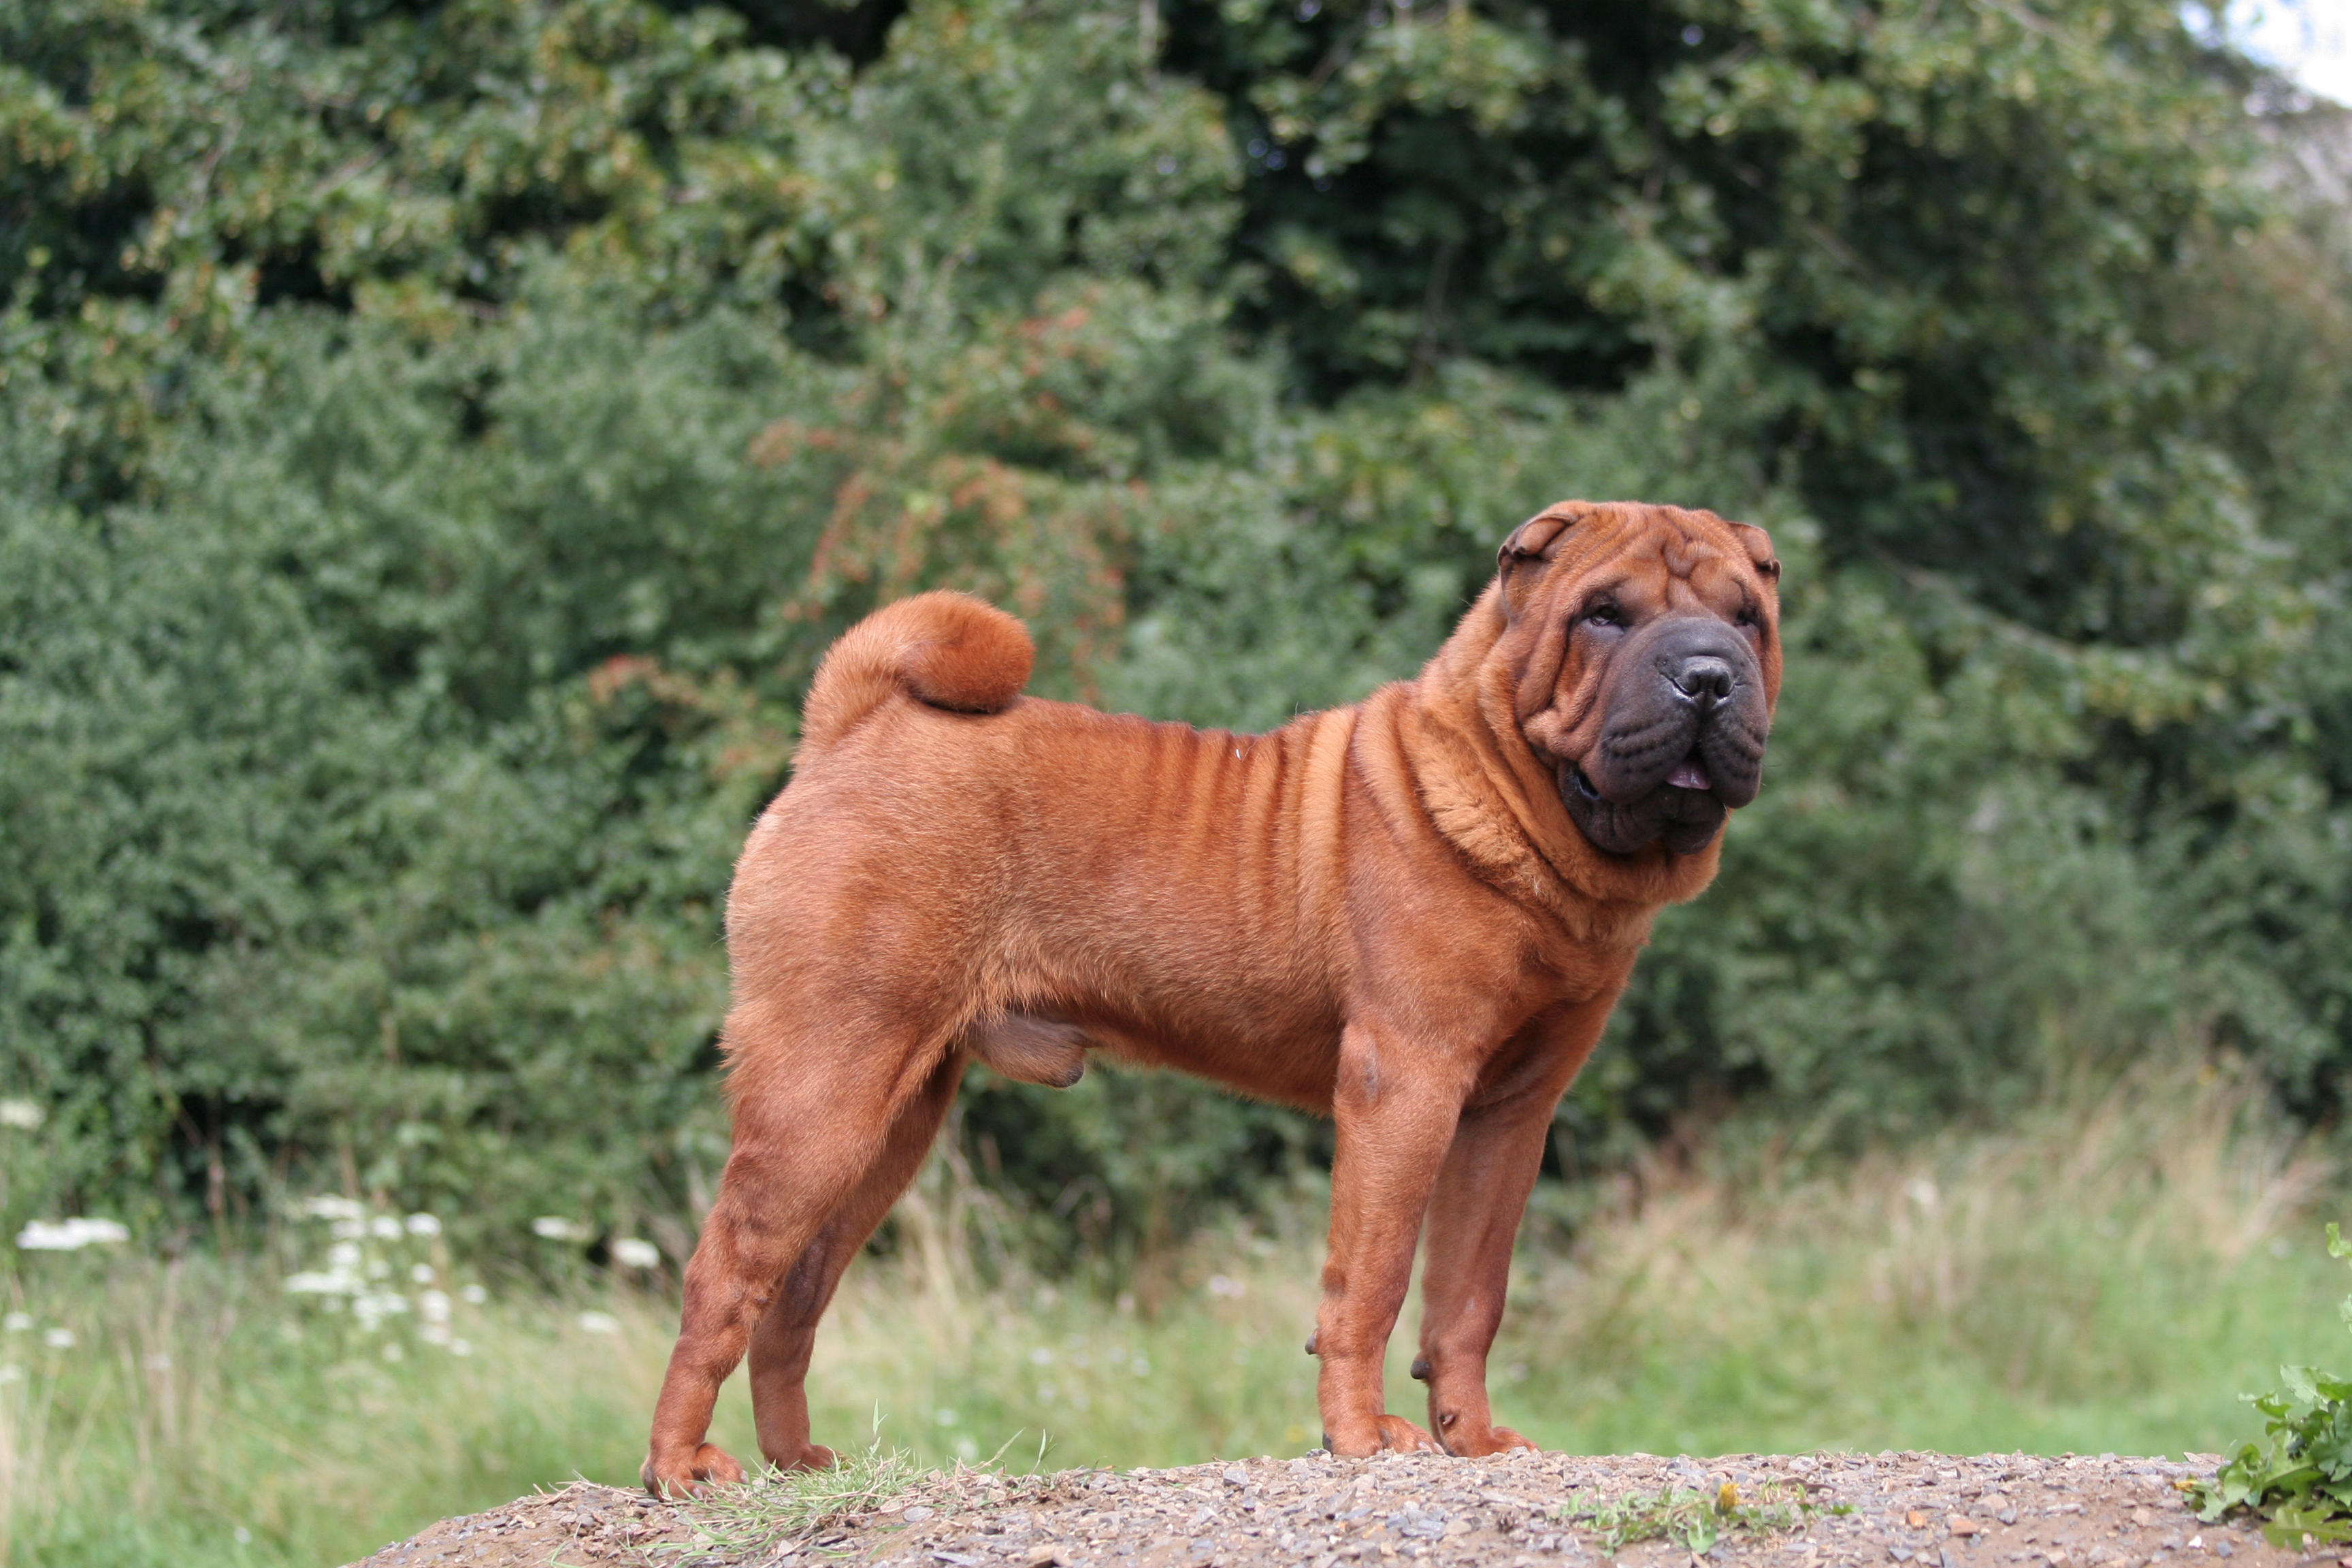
[1704,678]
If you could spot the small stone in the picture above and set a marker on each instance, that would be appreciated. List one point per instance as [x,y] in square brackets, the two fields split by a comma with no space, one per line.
[1048,1554]
[2223,1549]
[917,1514]
[1236,1476]
[1962,1525]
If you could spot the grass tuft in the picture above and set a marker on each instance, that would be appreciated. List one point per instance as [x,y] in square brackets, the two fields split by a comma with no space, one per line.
[1695,1518]
[771,1506]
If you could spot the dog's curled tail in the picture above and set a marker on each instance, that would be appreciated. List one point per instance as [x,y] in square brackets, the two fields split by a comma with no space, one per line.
[944,649]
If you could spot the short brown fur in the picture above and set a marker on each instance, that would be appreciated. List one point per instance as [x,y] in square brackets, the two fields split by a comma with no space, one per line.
[1383,913]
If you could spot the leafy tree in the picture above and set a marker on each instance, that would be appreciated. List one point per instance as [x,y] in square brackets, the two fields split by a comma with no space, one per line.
[439,440]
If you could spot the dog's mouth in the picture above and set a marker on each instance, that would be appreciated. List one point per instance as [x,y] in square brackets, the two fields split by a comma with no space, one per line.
[1681,811]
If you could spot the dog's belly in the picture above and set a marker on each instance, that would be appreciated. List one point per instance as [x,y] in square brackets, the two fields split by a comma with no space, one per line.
[1278,1051]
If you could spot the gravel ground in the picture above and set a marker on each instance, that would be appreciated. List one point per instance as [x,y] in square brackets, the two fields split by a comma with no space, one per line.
[1927,1511]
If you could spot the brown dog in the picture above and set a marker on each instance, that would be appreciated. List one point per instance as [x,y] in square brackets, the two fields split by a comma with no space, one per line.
[1412,915]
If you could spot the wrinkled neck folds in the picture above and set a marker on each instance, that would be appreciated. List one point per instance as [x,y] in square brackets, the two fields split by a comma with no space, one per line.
[1485,789]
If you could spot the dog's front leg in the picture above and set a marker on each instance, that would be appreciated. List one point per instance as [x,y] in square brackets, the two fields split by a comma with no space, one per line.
[1396,1111]
[1474,1218]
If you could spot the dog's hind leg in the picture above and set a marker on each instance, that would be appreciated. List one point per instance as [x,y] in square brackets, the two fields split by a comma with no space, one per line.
[811,1117]
[787,1331]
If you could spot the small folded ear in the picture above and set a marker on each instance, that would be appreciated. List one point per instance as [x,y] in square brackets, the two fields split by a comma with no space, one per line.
[1539,536]
[1759,550]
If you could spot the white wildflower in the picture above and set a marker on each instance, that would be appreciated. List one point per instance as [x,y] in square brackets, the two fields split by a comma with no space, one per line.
[424,1225]
[333,1208]
[461,1347]
[23,1114]
[556,1229]
[343,1257]
[599,1323]
[384,1227]
[631,1253]
[11,1373]
[70,1235]
[57,1338]
[311,1282]
[420,1274]
[433,1333]
[377,1305]
[348,1228]
[473,1295]
[433,1306]
[16,1323]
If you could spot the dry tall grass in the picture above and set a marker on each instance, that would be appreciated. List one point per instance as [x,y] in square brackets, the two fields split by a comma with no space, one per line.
[2103,1277]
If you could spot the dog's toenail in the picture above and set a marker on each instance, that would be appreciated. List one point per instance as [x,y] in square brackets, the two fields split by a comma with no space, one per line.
[1420,1368]
[1447,1419]
[1311,1339]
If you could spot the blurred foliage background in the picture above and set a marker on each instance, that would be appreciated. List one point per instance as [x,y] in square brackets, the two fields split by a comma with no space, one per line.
[437,439]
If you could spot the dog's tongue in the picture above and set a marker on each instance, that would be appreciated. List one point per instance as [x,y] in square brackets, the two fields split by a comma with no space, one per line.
[1689,774]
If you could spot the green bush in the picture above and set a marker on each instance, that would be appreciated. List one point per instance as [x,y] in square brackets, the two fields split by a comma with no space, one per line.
[435,443]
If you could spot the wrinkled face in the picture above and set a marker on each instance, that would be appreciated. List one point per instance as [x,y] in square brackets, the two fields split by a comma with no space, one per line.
[1647,642]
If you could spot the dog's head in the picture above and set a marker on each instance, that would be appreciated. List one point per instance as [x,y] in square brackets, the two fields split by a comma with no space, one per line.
[1646,641]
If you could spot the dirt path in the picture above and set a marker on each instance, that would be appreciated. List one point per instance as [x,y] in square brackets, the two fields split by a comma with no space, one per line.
[1928,1510]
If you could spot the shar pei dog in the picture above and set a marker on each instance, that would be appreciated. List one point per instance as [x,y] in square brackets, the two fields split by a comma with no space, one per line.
[1412,915]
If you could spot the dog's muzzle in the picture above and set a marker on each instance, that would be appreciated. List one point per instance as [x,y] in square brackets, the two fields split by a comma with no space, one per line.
[1683,742]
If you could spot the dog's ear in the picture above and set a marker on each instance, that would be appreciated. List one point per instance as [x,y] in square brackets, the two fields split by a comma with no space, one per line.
[1539,536]
[1759,550]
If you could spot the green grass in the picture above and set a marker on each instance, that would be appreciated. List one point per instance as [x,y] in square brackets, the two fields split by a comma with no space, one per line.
[2107,1278]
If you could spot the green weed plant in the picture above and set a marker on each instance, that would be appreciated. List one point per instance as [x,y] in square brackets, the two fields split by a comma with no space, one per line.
[1693,1518]
[2299,1481]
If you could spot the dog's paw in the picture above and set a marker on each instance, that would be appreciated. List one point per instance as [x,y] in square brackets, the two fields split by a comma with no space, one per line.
[668,1475]
[812,1457]
[1399,1435]
[1496,1440]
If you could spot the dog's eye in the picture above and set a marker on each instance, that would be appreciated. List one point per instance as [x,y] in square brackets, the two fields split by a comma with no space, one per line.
[1605,615]
[1749,619]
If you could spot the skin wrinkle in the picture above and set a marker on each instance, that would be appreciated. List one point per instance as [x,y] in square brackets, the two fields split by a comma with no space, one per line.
[1385,913]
